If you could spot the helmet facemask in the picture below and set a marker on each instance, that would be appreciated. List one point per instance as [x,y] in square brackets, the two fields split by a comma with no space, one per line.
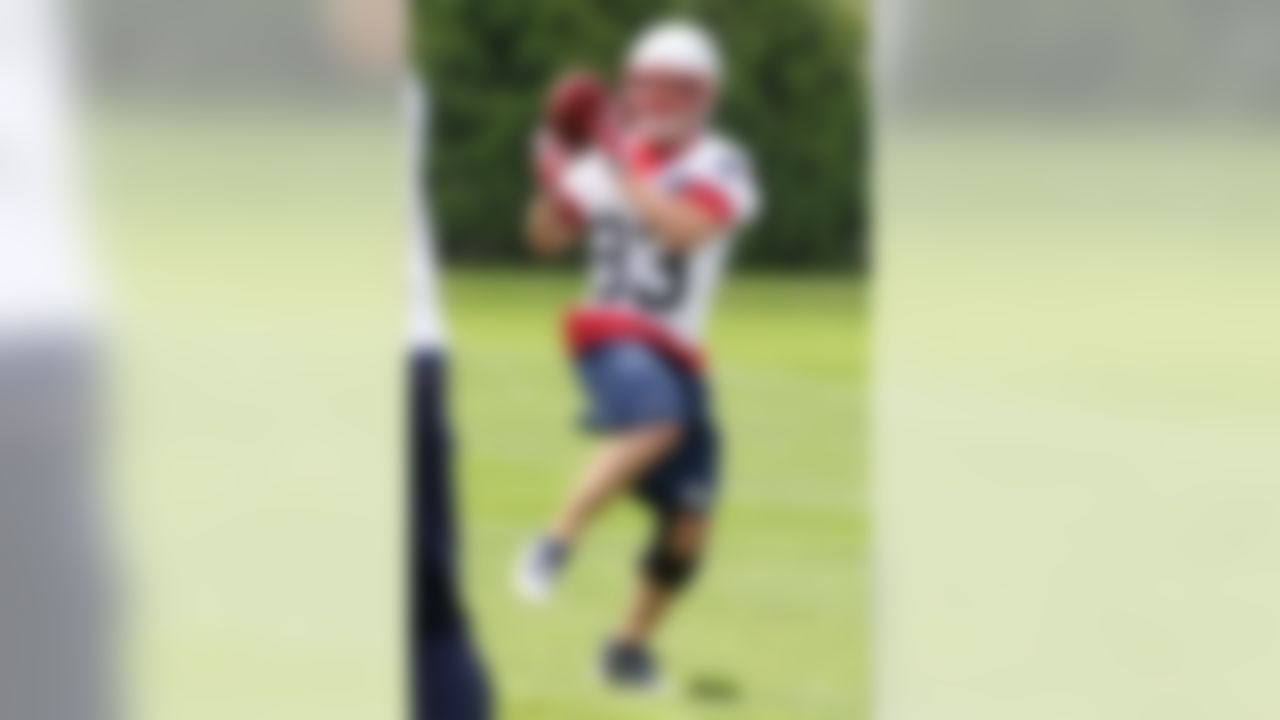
[672,81]
[666,107]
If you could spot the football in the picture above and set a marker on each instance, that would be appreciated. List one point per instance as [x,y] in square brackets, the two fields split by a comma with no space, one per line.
[575,107]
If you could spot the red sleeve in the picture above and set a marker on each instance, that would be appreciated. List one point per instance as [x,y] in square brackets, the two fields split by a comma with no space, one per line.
[711,199]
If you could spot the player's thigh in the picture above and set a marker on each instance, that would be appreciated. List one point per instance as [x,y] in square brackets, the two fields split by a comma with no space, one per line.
[644,446]
[687,480]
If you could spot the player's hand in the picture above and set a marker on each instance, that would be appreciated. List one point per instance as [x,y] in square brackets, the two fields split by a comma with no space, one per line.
[571,114]
[550,156]
[578,115]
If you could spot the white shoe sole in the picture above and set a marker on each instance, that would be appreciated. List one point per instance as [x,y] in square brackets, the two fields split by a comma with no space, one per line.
[527,587]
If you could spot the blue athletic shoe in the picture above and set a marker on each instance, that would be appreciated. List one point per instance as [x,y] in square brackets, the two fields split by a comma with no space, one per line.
[629,668]
[537,569]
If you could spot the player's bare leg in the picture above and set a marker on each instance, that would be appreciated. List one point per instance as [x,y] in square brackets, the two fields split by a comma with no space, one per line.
[671,564]
[612,469]
[684,541]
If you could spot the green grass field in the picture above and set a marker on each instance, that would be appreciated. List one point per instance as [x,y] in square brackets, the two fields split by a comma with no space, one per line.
[259,452]
[777,626]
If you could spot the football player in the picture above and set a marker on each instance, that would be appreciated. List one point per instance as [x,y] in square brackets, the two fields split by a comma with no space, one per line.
[659,196]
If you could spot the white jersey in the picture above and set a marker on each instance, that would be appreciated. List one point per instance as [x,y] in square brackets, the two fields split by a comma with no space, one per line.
[426,323]
[44,273]
[630,270]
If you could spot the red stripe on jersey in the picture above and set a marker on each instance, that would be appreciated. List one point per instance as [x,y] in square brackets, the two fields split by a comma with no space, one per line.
[586,328]
[711,200]
[645,158]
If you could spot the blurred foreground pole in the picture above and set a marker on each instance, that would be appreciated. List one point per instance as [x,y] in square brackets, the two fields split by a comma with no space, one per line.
[56,658]
[1078,513]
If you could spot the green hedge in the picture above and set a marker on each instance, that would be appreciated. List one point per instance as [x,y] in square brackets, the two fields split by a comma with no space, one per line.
[795,98]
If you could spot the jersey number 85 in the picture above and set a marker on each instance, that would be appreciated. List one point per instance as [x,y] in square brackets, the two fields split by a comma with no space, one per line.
[617,239]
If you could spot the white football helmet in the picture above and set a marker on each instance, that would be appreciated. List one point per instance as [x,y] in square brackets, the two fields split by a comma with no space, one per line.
[672,80]
[677,47]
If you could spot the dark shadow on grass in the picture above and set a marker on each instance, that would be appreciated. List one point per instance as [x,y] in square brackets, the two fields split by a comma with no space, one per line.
[714,689]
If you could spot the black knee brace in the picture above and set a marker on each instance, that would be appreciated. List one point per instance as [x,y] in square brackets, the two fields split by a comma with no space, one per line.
[665,567]
[669,570]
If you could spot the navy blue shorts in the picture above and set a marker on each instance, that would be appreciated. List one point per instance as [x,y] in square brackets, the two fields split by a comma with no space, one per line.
[630,385]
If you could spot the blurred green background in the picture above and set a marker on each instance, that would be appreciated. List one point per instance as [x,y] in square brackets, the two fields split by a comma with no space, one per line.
[794,98]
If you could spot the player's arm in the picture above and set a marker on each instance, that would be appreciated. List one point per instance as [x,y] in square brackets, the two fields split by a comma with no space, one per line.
[573,107]
[552,222]
[549,229]
[680,222]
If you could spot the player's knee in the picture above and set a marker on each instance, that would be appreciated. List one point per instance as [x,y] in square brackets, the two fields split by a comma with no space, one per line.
[671,569]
